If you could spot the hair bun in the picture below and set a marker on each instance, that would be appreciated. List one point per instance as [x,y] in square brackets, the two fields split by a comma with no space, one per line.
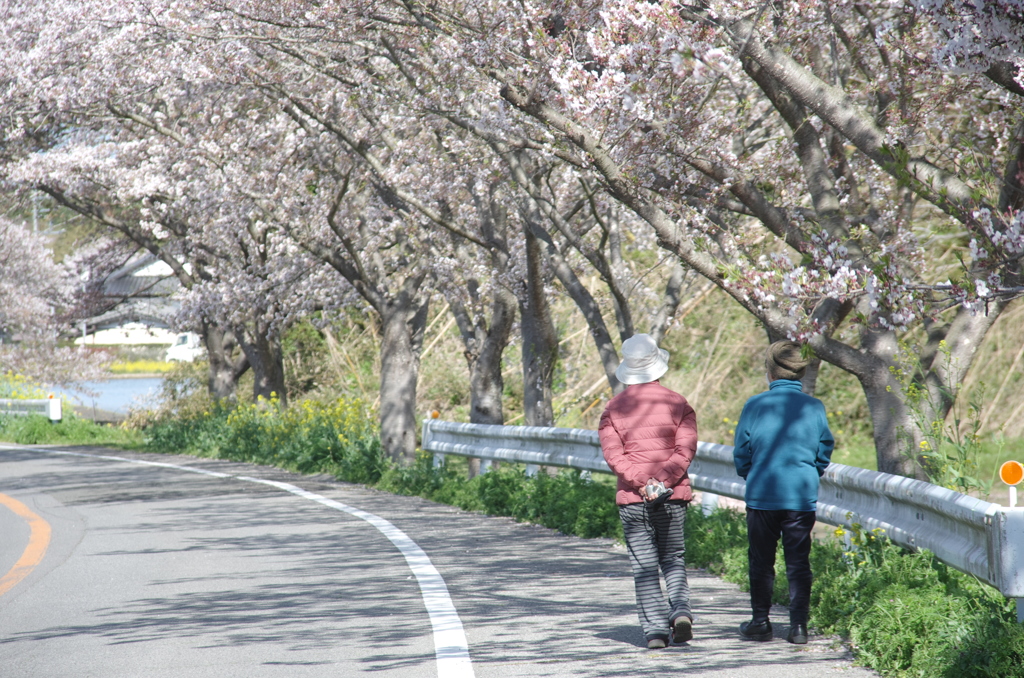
[785,361]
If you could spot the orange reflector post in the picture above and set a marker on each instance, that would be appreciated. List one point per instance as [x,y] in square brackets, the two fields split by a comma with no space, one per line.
[1011,472]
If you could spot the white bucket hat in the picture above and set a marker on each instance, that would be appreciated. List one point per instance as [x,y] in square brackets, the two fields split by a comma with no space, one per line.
[642,360]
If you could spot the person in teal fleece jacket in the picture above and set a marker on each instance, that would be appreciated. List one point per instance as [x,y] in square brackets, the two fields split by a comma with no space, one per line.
[782,447]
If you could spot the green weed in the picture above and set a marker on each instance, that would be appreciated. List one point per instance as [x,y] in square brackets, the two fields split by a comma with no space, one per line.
[39,430]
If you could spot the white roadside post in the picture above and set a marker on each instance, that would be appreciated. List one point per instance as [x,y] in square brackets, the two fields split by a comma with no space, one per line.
[54,409]
[1012,473]
[708,503]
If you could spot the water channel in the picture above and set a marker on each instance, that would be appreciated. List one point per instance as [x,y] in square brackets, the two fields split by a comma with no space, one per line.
[115,395]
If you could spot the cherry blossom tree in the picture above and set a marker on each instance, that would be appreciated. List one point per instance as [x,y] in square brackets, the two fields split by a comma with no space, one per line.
[408,85]
[412,84]
[35,296]
[383,132]
[802,163]
[109,120]
[369,191]
[981,37]
[208,152]
[798,152]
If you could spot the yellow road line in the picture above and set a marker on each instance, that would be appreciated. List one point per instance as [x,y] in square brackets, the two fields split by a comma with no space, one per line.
[38,541]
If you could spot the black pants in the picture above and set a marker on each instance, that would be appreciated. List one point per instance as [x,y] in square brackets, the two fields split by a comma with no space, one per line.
[763,531]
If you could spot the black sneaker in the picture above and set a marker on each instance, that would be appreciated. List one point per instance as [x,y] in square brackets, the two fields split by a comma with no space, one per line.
[797,634]
[761,631]
[682,629]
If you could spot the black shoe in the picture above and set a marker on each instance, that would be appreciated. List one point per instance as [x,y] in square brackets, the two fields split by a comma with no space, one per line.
[682,629]
[797,634]
[657,643]
[761,631]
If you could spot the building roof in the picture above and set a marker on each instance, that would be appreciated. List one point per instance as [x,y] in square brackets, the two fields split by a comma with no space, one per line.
[140,291]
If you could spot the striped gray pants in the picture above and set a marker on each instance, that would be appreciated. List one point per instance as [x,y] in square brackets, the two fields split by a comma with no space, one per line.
[654,537]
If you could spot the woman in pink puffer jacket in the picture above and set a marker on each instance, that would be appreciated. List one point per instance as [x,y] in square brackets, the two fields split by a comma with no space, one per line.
[649,436]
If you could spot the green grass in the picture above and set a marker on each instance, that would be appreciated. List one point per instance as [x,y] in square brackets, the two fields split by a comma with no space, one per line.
[858,453]
[71,430]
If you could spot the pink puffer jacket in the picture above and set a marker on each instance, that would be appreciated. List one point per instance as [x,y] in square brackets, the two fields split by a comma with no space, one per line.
[649,431]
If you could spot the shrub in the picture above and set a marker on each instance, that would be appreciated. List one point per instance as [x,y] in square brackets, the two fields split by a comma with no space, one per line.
[311,437]
[201,434]
[907,614]
[710,538]
[569,502]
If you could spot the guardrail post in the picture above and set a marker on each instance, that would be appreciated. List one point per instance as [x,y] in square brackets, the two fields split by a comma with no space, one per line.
[438,457]
[1006,554]
[485,466]
[531,470]
[708,503]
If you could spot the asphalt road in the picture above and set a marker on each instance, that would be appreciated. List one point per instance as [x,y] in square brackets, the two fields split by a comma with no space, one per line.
[158,571]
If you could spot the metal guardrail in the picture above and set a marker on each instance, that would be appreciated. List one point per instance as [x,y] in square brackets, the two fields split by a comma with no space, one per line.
[52,408]
[974,536]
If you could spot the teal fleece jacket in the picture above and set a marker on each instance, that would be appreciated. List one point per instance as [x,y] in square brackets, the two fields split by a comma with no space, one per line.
[782,446]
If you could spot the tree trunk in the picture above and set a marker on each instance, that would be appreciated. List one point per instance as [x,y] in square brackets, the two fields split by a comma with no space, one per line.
[810,380]
[263,352]
[484,354]
[946,368]
[540,341]
[485,344]
[536,206]
[670,303]
[896,435]
[224,370]
[403,321]
[588,306]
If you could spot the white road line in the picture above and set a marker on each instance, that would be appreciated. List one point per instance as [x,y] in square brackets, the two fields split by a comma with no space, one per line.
[134,461]
[450,646]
